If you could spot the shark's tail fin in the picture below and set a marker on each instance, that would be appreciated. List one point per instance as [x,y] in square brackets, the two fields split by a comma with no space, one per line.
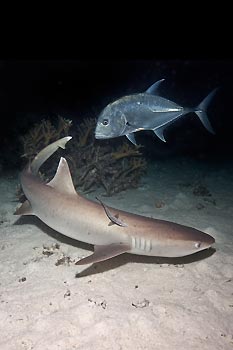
[201,111]
[43,155]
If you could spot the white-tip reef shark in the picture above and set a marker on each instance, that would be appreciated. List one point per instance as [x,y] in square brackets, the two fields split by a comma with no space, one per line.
[145,111]
[112,231]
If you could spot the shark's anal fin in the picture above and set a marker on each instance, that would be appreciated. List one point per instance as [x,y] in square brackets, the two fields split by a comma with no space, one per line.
[104,252]
[113,219]
[24,209]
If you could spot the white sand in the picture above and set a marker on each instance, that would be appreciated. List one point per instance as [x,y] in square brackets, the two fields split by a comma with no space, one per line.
[129,302]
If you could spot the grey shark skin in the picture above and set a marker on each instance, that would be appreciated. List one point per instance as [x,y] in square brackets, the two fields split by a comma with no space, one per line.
[112,231]
[145,111]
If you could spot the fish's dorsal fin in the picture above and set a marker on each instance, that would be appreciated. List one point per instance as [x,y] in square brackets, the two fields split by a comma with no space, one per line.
[62,180]
[159,132]
[114,219]
[104,252]
[153,89]
[131,138]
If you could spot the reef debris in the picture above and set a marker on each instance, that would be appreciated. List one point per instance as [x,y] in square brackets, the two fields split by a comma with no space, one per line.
[114,166]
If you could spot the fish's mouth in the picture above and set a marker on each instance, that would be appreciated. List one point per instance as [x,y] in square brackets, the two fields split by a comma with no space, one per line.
[100,136]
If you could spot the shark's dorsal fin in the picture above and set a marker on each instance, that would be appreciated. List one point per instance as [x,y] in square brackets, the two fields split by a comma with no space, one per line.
[153,89]
[62,180]
[24,209]
[104,252]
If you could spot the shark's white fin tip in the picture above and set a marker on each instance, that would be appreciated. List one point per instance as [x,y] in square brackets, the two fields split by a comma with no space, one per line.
[64,141]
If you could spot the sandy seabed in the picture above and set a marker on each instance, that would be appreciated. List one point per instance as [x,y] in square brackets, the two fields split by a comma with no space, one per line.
[128,302]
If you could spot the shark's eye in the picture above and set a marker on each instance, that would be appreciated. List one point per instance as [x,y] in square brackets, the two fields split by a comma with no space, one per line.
[198,244]
[105,122]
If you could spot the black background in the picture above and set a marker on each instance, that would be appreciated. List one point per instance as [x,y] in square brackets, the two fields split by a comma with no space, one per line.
[34,88]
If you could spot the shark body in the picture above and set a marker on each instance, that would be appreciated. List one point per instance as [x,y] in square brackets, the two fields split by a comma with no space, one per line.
[111,231]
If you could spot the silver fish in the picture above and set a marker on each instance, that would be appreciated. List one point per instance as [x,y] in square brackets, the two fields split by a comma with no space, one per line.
[145,111]
[112,231]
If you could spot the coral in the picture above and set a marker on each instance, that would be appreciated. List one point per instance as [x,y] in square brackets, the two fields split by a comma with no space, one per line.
[42,134]
[93,163]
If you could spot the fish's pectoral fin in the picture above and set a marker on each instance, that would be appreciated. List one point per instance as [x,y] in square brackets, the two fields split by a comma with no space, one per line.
[159,132]
[104,252]
[153,89]
[131,138]
[24,209]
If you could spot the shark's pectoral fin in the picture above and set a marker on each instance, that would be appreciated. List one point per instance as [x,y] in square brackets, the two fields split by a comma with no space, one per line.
[159,132]
[104,252]
[24,209]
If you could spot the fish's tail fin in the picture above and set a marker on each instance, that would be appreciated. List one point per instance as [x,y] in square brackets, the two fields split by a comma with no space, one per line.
[201,111]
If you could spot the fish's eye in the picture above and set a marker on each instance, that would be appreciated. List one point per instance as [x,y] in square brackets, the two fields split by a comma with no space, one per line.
[198,244]
[105,122]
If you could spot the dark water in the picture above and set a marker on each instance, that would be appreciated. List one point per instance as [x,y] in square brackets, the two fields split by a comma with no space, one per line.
[32,90]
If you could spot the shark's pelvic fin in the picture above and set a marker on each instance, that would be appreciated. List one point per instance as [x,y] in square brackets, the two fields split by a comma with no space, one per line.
[62,180]
[153,89]
[24,209]
[104,252]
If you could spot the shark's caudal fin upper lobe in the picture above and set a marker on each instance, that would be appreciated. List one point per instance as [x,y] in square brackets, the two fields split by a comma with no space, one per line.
[201,111]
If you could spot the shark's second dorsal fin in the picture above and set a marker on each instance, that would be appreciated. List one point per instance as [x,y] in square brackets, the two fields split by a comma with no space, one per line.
[62,180]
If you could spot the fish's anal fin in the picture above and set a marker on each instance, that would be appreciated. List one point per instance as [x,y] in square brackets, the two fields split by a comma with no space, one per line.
[153,89]
[131,138]
[104,252]
[159,132]
[62,180]
[24,209]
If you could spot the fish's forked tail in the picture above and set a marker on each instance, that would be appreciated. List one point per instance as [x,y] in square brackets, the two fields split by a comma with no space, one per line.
[201,111]
[43,155]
